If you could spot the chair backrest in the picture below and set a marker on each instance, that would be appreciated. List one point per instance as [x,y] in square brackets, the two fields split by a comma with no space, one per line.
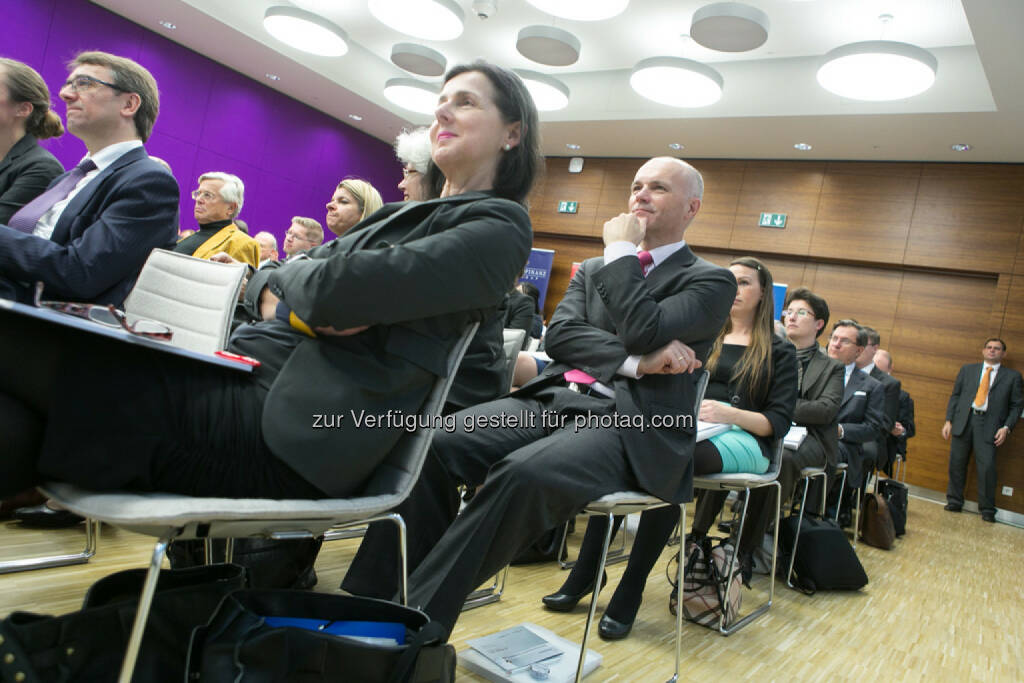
[194,297]
[512,341]
[400,470]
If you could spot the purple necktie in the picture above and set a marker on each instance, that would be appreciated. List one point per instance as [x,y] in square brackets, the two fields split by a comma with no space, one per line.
[646,261]
[27,216]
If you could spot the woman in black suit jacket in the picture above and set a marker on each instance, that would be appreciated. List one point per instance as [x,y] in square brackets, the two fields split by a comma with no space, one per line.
[26,169]
[367,328]
[752,385]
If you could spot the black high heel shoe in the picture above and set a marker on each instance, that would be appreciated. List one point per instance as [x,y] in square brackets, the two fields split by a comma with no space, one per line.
[565,602]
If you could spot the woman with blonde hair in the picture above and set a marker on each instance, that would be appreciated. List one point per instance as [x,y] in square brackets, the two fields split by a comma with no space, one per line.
[26,169]
[353,201]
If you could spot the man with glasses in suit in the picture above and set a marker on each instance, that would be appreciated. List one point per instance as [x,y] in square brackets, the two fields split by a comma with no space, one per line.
[861,411]
[87,237]
[983,408]
[302,235]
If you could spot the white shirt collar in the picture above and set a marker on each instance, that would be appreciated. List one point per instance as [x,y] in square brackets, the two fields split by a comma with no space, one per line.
[867,368]
[111,153]
[659,254]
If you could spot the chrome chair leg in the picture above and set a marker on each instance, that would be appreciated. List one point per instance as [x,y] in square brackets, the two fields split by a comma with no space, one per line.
[142,613]
[92,533]
[593,598]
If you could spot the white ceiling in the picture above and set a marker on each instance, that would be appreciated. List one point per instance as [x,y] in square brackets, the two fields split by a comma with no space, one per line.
[771,99]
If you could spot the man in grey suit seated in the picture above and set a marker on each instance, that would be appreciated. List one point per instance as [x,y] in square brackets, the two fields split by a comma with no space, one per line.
[551,447]
[861,412]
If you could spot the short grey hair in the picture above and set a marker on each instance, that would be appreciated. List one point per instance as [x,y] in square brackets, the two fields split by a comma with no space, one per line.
[267,236]
[314,231]
[233,189]
[412,147]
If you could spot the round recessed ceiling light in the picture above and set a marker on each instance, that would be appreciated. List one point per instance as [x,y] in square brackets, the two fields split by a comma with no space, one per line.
[581,10]
[168,25]
[305,31]
[729,27]
[548,45]
[426,19]
[802,146]
[677,82]
[878,70]
[273,77]
[549,94]
[573,146]
[676,146]
[411,94]
[355,117]
[961,147]
[418,59]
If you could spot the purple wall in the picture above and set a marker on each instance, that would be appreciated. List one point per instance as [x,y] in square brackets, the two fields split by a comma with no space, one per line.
[289,156]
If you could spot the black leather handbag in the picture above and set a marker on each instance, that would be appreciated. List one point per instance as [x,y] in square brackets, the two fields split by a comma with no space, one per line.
[88,646]
[896,496]
[242,643]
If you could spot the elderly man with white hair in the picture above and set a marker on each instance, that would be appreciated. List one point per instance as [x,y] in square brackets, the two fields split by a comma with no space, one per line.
[219,200]
[268,247]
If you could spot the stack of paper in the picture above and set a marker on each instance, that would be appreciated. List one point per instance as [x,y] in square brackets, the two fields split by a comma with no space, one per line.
[507,655]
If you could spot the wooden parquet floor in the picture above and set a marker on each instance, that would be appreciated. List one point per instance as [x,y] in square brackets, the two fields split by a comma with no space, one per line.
[942,605]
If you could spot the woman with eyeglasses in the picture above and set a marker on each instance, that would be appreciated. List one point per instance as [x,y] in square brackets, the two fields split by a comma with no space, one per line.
[363,332]
[752,385]
[26,169]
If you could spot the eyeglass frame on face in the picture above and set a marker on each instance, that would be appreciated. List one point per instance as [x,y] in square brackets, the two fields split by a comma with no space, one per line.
[80,310]
[841,341]
[296,236]
[799,312]
[84,82]
[206,195]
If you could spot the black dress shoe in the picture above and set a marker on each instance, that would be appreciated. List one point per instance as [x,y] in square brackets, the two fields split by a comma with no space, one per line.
[988,517]
[565,602]
[609,629]
[45,517]
[949,507]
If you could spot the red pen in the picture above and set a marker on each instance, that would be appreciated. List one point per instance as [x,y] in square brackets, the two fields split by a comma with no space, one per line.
[238,358]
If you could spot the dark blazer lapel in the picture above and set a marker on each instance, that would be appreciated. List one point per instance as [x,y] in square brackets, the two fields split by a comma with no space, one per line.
[74,207]
[669,268]
[19,148]
[853,386]
[365,236]
[814,369]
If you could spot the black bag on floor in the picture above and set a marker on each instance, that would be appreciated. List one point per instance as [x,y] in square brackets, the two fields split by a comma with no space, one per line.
[240,645]
[270,563]
[824,558]
[88,646]
[895,494]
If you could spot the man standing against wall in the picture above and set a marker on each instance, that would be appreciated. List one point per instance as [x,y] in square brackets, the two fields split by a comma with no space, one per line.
[985,404]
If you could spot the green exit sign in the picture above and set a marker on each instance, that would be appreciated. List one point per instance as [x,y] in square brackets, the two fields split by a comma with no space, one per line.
[567,207]
[772,220]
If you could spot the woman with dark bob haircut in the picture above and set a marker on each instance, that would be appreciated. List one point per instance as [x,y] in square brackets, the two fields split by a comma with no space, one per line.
[363,326]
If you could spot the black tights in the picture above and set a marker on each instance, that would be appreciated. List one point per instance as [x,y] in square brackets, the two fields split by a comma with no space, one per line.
[652,535]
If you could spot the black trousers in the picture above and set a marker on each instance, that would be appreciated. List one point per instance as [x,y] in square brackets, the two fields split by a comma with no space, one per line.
[105,414]
[537,477]
[974,437]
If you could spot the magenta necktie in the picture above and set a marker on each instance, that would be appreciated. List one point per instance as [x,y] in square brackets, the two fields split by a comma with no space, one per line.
[27,216]
[646,261]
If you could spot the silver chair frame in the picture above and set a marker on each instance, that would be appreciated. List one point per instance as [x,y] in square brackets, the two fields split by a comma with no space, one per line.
[625,503]
[747,482]
[92,535]
[806,475]
[170,517]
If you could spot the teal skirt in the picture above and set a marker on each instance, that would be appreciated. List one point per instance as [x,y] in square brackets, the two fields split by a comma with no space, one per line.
[740,452]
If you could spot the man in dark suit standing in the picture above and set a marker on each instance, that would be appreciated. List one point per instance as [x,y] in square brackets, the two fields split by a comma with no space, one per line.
[632,336]
[985,404]
[883,450]
[87,237]
[861,411]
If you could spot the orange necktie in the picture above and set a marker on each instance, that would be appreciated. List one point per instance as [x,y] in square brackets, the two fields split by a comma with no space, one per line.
[982,395]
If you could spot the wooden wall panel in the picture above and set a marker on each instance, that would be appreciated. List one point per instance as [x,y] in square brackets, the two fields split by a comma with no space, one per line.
[713,225]
[865,294]
[941,322]
[963,233]
[972,181]
[559,185]
[792,188]
[1018,267]
[927,452]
